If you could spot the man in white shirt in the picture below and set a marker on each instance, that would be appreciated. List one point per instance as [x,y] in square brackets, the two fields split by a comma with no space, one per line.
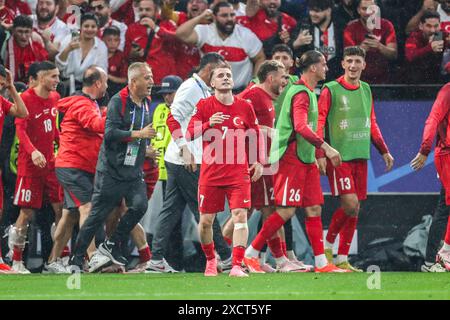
[102,10]
[182,163]
[49,26]
[240,47]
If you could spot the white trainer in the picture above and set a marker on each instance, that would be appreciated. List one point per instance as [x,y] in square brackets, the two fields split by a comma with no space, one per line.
[435,267]
[98,261]
[443,257]
[159,266]
[56,266]
[19,267]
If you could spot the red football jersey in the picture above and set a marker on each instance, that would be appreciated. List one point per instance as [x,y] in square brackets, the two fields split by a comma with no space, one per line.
[37,132]
[117,65]
[5,106]
[224,159]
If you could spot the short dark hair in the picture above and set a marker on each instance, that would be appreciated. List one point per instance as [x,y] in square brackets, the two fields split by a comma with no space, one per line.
[428,14]
[358,2]
[354,51]
[308,59]
[267,67]
[222,4]
[281,47]
[211,57]
[23,21]
[91,75]
[320,4]
[111,31]
[89,16]
[33,70]
[46,66]
[107,2]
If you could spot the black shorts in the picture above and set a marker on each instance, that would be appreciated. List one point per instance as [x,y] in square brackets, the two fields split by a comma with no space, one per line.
[78,186]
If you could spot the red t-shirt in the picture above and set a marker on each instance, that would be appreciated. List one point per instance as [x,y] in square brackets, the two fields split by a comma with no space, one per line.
[161,54]
[5,106]
[324,108]
[422,63]
[118,65]
[438,122]
[19,7]
[188,57]
[37,132]
[263,27]
[24,57]
[7,15]
[125,13]
[224,159]
[377,69]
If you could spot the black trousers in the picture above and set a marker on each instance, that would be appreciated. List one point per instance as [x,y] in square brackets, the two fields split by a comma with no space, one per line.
[108,194]
[437,228]
[181,190]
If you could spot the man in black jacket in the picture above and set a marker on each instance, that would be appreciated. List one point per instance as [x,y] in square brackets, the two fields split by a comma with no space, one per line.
[119,172]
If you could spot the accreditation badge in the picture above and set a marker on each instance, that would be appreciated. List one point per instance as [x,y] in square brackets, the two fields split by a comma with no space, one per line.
[132,153]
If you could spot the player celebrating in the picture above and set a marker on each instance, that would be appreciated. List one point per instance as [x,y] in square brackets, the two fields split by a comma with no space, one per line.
[439,122]
[297,182]
[224,122]
[36,161]
[19,110]
[346,110]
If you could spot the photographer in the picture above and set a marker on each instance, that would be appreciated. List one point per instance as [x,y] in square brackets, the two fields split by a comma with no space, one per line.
[152,41]
[423,51]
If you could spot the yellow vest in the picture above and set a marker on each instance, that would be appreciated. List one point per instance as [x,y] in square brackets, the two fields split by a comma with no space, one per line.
[162,139]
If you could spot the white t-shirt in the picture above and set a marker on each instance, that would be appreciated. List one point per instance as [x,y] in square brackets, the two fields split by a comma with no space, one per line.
[237,49]
[59,29]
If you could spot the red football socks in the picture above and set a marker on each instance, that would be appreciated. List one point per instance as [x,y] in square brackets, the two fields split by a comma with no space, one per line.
[145,254]
[17,254]
[238,255]
[208,249]
[447,234]
[346,235]
[337,222]
[276,247]
[272,224]
[315,234]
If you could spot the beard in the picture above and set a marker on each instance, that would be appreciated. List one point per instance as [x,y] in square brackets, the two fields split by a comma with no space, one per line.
[45,18]
[102,20]
[225,28]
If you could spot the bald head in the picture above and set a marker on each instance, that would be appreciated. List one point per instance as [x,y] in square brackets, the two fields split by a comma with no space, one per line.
[95,82]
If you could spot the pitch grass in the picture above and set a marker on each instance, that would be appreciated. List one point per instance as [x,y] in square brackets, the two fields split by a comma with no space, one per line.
[394,285]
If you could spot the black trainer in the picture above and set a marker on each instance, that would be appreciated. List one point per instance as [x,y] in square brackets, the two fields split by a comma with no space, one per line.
[76,264]
[113,252]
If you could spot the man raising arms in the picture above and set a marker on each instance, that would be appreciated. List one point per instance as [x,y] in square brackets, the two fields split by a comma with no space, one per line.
[346,110]
[224,122]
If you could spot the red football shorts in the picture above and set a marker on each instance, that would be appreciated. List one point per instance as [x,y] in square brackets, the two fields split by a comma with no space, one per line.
[262,192]
[297,184]
[211,199]
[442,163]
[32,191]
[350,177]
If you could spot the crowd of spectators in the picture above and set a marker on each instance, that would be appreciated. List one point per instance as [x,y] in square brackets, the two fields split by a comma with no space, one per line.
[406,41]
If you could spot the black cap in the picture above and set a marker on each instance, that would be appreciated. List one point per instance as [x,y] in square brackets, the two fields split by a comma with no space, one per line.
[170,84]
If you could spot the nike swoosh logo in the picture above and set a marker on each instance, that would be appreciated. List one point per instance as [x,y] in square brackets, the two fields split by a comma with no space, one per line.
[38,115]
[245,201]
[270,109]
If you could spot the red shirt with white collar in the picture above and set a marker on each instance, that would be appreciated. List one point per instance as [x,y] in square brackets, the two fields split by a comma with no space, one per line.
[24,57]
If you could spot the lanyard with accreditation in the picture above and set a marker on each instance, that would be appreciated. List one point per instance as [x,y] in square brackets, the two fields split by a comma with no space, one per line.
[133,146]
